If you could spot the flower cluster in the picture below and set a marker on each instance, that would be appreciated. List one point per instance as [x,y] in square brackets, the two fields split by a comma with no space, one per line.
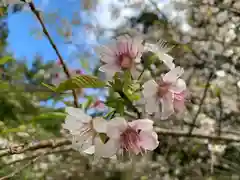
[163,96]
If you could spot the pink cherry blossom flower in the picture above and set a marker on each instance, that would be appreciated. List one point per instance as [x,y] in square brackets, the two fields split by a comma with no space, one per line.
[83,129]
[133,137]
[120,55]
[167,92]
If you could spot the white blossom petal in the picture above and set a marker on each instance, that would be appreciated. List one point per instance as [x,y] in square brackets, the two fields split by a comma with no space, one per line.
[100,125]
[79,114]
[167,108]
[173,75]
[90,150]
[115,127]
[150,88]
[167,59]
[105,51]
[179,87]
[110,70]
[82,143]
[152,105]
[106,150]
[142,124]
[148,140]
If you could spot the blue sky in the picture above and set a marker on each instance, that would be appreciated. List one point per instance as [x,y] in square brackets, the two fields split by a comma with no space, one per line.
[24,44]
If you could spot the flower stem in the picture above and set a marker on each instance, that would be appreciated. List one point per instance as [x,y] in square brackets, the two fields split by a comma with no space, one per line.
[129,103]
[141,74]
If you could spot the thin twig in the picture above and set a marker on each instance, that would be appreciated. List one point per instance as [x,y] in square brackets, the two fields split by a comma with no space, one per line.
[20,169]
[18,149]
[52,151]
[65,69]
[175,133]
[160,131]
[220,104]
[201,102]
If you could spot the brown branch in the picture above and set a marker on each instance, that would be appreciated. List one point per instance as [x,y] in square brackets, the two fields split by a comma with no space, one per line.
[176,133]
[18,149]
[20,169]
[47,152]
[44,29]
[201,102]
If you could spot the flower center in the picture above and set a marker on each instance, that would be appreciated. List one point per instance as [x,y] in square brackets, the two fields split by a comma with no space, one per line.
[130,140]
[125,61]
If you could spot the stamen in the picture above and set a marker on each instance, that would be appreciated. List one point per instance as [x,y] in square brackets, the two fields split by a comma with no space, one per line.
[130,140]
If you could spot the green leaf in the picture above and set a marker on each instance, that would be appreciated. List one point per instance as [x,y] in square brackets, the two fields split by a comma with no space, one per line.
[49,115]
[81,81]
[5,59]
[127,79]
[117,83]
[49,87]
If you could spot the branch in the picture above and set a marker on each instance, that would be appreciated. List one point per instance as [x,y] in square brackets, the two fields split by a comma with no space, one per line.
[176,133]
[18,149]
[201,102]
[52,151]
[65,69]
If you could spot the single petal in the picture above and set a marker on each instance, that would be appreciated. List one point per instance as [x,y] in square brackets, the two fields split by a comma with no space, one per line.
[179,87]
[100,125]
[90,150]
[105,51]
[148,140]
[79,114]
[116,126]
[173,75]
[110,70]
[142,124]
[108,59]
[179,106]
[167,59]
[106,150]
[137,59]
[150,88]
[72,124]
[136,48]
[152,105]
[167,108]
[81,143]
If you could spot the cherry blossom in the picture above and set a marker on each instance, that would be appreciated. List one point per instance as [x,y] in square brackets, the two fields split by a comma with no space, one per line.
[122,54]
[83,129]
[134,137]
[161,50]
[169,92]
